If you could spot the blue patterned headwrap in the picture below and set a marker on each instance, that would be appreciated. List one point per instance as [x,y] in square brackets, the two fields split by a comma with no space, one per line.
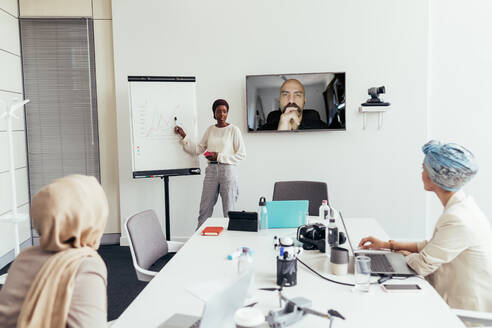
[449,166]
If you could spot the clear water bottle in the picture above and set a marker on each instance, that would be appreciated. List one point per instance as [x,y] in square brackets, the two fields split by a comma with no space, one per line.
[324,217]
[332,231]
[263,219]
[245,261]
[324,212]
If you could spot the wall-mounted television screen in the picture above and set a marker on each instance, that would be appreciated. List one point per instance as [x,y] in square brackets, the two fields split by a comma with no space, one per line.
[296,102]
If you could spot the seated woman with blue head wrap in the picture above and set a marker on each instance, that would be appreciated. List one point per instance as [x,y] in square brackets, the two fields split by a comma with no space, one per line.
[457,260]
[449,166]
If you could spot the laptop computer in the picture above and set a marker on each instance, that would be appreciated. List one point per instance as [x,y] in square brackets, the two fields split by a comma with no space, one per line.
[287,213]
[219,309]
[383,263]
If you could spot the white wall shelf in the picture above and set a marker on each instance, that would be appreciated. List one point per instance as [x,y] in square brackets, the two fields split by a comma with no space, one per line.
[380,110]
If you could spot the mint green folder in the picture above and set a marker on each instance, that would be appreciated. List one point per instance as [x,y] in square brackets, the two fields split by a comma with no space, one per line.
[287,213]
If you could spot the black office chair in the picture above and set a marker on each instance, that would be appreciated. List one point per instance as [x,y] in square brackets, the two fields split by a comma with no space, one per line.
[313,191]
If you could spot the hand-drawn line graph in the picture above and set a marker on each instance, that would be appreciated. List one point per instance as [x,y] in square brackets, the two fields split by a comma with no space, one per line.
[155,121]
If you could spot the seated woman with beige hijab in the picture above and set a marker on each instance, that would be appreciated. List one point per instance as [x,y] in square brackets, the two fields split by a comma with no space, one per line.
[62,282]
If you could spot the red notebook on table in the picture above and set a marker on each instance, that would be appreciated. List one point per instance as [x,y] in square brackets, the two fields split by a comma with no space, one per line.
[212,231]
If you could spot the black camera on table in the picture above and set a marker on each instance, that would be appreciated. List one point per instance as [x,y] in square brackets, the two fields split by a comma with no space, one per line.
[312,236]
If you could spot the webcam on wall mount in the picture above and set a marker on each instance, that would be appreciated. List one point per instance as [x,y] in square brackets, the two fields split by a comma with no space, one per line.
[374,100]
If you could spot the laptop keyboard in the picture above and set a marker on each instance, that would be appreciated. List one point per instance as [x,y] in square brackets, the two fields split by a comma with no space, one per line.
[380,263]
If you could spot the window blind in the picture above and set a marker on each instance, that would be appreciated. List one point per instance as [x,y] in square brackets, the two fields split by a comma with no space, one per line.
[61,118]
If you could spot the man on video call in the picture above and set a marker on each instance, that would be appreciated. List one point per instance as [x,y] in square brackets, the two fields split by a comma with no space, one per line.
[291,114]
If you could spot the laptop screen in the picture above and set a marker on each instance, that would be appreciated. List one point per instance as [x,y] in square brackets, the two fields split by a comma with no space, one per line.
[287,213]
[346,232]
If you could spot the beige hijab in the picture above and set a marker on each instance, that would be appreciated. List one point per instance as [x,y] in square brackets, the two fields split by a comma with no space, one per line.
[70,215]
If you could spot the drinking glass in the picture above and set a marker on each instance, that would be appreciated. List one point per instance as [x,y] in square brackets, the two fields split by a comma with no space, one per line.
[362,273]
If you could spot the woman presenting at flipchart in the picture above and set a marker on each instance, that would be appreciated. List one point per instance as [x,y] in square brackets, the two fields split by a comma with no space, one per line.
[226,149]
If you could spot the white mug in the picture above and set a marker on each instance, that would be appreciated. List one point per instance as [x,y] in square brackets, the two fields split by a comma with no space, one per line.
[339,259]
[248,317]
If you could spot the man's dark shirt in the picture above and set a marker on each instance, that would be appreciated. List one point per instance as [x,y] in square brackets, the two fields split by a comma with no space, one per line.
[310,120]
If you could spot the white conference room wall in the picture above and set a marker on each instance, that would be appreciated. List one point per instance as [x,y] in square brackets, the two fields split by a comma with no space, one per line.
[460,82]
[370,173]
[10,89]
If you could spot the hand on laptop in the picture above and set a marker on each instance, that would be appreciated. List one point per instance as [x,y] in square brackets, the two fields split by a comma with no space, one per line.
[372,243]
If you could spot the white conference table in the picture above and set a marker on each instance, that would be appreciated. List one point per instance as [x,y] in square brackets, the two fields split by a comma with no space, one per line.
[204,258]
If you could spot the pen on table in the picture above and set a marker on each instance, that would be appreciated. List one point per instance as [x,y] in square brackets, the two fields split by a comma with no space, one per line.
[251,305]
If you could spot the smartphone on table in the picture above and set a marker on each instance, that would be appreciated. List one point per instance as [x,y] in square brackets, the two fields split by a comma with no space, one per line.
[391,288]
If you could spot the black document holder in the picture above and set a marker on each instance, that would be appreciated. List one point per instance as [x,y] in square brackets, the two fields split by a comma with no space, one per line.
[243,221]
